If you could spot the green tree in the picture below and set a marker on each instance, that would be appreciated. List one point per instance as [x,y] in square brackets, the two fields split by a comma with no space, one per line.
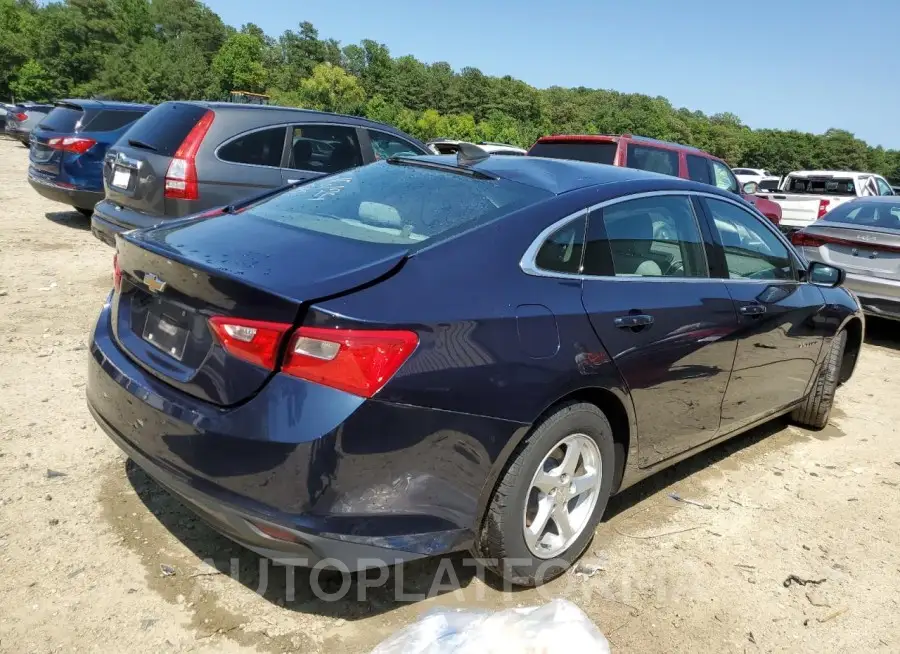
[239,66]
[33,82]
[331,88]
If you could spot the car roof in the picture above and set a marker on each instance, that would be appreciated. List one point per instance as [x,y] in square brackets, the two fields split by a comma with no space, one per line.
[876,199]
[563,175]
[275,109]
[612,138]
[103,104]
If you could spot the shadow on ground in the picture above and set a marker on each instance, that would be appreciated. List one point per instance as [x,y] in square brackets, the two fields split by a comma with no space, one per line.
[72,219]
[883,333]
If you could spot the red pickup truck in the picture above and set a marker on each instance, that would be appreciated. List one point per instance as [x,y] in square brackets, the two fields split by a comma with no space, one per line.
[650,154]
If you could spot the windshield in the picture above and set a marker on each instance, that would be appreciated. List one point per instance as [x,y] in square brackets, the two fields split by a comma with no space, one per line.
[866,214]
[396,203]
[821,185]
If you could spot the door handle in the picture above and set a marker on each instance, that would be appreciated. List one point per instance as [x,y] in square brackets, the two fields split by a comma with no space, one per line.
[753,309]
[639,320]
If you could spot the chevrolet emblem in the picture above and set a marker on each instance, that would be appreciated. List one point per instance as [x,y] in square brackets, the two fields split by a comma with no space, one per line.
[154,283]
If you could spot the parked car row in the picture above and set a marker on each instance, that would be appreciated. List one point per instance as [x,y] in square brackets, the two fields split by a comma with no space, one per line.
[22,118]
[491,346]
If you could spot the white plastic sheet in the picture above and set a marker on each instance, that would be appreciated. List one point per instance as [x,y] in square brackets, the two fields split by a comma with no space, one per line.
[558,627]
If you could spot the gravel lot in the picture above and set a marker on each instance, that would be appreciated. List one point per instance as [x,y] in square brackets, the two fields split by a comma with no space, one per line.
[98,556]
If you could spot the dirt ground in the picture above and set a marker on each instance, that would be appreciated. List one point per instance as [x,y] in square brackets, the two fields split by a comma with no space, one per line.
[95,557]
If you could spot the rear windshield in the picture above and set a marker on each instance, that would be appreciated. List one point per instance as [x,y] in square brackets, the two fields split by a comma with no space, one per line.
[396,203]
[109,120]
[62,119]
[867,214]
[821,185]
[164,127]
[594,152]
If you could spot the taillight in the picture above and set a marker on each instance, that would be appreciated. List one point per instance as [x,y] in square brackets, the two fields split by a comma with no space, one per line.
[357,361]
[181,177]
[802,239]
[255,341]
[75,144]
[21,116]
[117,273]
[823,208]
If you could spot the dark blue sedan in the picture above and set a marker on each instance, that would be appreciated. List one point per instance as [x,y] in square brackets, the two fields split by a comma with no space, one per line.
[69,145]
[437,353]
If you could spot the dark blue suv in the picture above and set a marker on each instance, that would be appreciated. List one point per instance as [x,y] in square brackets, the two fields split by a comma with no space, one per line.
[68,147]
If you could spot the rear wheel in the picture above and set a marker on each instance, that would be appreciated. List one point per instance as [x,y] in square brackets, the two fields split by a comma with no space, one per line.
[547,504]
[87,213]
[816,408]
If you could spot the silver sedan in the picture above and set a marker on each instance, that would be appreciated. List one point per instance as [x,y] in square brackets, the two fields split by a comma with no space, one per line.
[863,238]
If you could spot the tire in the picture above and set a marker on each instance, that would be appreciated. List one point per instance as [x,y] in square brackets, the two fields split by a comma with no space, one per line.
[87,213]
[816,408]
[501,543]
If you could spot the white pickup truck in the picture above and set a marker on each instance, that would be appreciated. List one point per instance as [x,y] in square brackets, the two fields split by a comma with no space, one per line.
[807,195]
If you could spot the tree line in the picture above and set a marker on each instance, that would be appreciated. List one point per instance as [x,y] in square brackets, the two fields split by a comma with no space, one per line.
[157,50]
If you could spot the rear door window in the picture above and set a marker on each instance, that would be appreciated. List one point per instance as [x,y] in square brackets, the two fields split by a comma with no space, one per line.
[655,160]
[402,203]
[602,152]
[110,121]
[698,169]
[165,127]
[260,148]
[324,148]
[655,236]
[387,145]
[62,119]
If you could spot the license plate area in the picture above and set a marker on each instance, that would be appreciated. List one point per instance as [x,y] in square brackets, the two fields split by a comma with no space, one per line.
[166,333]
[121,178]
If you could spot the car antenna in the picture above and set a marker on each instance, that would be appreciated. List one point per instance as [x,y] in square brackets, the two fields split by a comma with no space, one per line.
[470,154]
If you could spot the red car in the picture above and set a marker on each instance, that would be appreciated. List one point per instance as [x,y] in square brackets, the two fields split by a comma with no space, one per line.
[649,154]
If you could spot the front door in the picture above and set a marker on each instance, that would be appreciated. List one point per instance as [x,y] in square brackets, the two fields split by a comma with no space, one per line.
[664,322]
[778,344]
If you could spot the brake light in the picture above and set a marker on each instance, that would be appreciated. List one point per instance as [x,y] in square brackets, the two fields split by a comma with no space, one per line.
[255,341]
[75,144]
[823,208]
[117,273]
[21,116]
[357,361]
[802,239]
[181,176]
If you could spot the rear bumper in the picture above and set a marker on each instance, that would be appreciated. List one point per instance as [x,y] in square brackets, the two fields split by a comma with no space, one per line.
[21,135]
[877,297]
[109,220]
[81,198]
[349,479]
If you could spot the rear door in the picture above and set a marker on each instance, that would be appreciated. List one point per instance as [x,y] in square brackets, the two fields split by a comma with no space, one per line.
[320,149]
[134,169]
[243,165]
[778,342]
[664,321]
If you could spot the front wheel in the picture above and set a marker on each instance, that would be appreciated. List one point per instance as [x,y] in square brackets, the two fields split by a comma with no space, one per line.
[547,504]
[816,408]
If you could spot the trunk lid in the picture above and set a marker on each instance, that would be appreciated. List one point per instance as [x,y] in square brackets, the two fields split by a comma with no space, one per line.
[65,120]
[250,268]
[134,169]
[860,250]
[799,210]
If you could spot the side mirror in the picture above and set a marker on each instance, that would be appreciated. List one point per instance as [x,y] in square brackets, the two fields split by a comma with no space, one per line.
[750,188]
[821,274]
